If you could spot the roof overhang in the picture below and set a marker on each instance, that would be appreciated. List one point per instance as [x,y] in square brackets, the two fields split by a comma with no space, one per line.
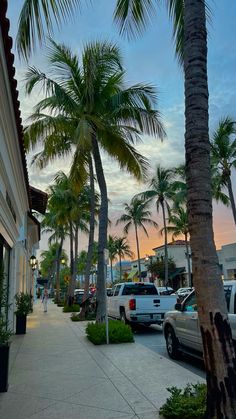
[38,200]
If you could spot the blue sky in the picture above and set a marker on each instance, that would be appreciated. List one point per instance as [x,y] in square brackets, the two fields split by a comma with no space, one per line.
[148,59]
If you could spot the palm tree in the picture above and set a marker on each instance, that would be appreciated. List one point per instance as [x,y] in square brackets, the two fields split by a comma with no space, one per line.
[52,223]
[87,107]
[161,191]
[179,226]
[137,215]
[122,249]
[190,35]
[223,153]
[38,17]
[111,246]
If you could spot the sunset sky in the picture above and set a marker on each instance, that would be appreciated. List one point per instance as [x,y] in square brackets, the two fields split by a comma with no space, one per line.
[147,59]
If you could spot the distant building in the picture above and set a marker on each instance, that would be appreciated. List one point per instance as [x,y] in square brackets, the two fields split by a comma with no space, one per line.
[227,260]
[176,252]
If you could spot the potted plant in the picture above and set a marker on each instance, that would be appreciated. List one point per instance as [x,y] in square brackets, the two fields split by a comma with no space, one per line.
[5,334]
[23,307]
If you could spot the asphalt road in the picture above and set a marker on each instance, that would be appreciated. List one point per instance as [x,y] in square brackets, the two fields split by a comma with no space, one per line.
[152,337]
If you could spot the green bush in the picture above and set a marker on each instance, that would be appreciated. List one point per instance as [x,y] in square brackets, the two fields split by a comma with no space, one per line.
[118,332]
[60,304]
[187,403]
[75,308]
[23,304]
[76,318]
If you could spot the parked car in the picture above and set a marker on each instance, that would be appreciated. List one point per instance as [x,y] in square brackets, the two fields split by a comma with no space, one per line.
[181,326]
[139,302]
[165,290]
[79,294]
[184,292]
[109,292]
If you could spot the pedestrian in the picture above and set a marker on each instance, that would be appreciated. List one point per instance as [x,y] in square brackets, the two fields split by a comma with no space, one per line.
[45,299]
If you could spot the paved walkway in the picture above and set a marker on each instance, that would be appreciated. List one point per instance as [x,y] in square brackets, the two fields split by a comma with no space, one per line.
[56,373]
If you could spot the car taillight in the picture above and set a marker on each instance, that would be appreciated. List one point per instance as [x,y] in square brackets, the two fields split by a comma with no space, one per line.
[132,304]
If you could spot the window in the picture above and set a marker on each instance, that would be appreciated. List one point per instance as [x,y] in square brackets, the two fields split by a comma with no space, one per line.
[191,304]
[117,289]
[139,289]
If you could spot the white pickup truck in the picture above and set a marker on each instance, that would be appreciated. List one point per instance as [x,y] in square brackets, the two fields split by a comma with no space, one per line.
[181,327]
[139,302]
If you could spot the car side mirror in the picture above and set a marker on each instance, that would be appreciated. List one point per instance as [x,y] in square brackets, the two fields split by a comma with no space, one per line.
[178,307]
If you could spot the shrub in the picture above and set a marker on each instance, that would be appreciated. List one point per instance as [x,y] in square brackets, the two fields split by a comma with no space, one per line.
[60,304]
[75,308]
[118,332]
[23,304]
[187,403]
[76,317]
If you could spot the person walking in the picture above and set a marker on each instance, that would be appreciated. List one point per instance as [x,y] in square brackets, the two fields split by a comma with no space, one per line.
[45,299]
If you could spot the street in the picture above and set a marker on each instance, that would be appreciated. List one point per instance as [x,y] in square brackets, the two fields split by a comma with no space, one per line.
[152,338]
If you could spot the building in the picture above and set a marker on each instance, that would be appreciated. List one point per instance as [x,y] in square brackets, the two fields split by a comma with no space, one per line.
[176,252]
[19,229]
[227,260]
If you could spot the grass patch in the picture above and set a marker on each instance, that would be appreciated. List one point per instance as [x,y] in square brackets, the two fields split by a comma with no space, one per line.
[75,317]
[118,332]
[187,403]
[75,308]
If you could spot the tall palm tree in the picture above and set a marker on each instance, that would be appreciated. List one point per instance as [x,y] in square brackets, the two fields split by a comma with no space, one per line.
[161,191]
[223,152]
[190,35]
[122,249]
[111,246]
[52,223]
[88,108]
[178,220]
[137,214]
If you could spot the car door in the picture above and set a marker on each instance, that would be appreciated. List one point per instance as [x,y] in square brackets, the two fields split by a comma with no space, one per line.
[113,303]
[187,325]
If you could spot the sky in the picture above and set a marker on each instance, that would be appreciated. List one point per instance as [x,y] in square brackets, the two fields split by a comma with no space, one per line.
[151,59]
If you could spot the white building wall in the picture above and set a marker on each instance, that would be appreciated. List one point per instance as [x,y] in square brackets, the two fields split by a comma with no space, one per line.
[227,258]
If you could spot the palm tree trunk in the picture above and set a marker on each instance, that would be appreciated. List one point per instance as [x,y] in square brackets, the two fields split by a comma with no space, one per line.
[70,289]
[138,252]
[216,333]
[58,270]
[91,237]
[102,235]
[165,244]
[231,197]
[76,255]
[111,270]
[120,268]
[188,260]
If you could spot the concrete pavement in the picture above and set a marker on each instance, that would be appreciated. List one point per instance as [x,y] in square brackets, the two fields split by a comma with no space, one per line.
[56,373]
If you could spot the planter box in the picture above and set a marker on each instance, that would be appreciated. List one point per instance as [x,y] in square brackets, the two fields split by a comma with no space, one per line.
[4,365]
[21,324]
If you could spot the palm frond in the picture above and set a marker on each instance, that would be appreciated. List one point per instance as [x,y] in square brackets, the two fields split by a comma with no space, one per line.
[35,16]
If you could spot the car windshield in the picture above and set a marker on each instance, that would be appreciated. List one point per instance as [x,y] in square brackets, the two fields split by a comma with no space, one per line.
[139,289]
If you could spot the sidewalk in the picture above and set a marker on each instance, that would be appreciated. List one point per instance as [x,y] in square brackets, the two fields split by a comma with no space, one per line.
[56,373]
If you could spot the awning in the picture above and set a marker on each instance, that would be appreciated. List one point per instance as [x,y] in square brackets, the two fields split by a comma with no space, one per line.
[177,272]
[132,273]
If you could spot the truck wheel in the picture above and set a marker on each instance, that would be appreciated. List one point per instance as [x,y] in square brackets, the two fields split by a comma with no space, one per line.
[172,344]
[123,317]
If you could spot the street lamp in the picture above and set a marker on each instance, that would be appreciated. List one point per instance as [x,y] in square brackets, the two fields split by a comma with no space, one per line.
[33,262]
[63,261]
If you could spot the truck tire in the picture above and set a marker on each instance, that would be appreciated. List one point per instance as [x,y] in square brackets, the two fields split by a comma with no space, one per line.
[123,317]
[172,344]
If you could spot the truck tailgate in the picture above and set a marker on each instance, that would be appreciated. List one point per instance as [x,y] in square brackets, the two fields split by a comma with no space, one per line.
[155,303]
